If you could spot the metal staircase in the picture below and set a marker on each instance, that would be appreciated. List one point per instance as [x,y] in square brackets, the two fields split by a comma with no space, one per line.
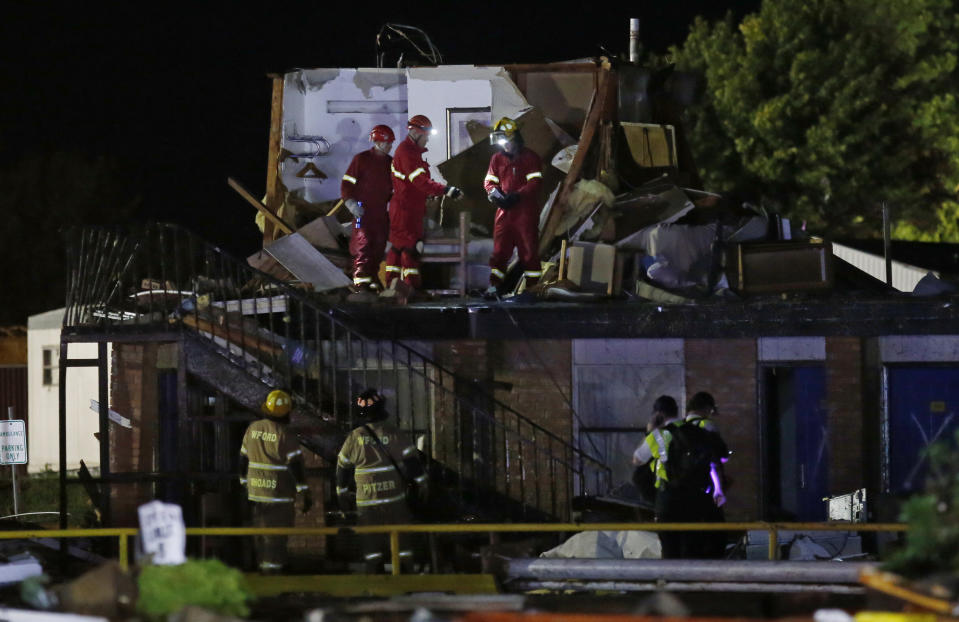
[161,277]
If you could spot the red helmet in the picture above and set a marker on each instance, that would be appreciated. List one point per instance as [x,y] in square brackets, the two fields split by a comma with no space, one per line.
[382,134]
[420,122]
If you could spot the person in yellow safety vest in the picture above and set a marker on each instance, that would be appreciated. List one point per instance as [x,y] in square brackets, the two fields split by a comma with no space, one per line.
[692,496]
[274,477]
[375,469]
[654,448]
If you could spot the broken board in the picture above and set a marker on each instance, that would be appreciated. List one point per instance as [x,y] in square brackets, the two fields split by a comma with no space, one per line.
[306,263]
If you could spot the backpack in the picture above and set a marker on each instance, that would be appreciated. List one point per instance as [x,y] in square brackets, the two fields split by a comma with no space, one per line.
[691,452]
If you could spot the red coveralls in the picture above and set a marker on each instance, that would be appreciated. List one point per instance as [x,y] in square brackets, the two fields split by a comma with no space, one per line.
[518,226]
[411,185]
[367,180]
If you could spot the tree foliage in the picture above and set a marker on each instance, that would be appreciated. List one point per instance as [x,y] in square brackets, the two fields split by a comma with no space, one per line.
[42,196]
[829,107]
[932,542]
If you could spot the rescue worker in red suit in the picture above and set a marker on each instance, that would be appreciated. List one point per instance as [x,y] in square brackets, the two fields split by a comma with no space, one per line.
[512,184]
[411,185]
[366,189]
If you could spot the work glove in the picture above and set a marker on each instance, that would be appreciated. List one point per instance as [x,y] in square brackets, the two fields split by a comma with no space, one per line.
[453,192]
[496,197]
[355,207]
[510,200]
[307,501]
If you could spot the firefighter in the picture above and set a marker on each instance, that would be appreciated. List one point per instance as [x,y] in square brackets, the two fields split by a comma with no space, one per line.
[366,189]
[376,468]
[512,184]
[274,477]
[411,185]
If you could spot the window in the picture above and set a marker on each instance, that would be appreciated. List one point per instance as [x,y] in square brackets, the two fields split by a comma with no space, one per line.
[51,366]
[459,121]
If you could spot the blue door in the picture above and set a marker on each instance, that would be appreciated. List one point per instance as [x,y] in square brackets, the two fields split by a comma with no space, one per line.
[797,442]
[811,442]
[922,408]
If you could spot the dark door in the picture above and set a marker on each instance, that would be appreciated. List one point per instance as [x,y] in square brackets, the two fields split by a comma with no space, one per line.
[797,457]
[922,404]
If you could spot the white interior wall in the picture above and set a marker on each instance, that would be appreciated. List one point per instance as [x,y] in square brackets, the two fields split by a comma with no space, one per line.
[307,97]
[434,89]
[43,430]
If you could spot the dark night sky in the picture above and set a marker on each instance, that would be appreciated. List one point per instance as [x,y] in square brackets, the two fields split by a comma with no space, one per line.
[182,93]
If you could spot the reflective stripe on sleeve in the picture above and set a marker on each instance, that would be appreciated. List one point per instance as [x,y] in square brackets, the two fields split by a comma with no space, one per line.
[533,273]
[343,461]
[243,450]
[396,173]
[267,467]
[414,174]
[341,489]
[533,175]
[351,179]
[294,454]
[493,178]
[421,478]
[498,273]
[408,271]
[392,268]
[301,487]
[409,450]
[359,280]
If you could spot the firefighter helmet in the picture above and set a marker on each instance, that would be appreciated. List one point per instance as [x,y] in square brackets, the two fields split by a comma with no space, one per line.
[504,131]
[370,406]
[382,134]
[277,404]
[420,122]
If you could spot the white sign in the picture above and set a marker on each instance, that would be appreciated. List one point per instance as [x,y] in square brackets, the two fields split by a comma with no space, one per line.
[162,532]
[13,441]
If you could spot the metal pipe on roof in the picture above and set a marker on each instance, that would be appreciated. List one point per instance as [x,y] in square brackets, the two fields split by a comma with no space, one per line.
[634,46]
[713,570]
[525,585]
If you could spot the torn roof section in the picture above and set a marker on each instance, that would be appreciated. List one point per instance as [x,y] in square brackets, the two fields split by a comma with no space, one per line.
[328,113]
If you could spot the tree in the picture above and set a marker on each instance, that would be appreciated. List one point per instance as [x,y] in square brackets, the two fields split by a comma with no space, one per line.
[43,196]
[829,107]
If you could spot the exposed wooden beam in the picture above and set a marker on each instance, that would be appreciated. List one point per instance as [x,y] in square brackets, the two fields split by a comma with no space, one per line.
[273,193]
[597,112]
[272,219]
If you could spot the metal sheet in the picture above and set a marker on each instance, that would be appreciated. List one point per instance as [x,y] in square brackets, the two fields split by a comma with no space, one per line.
[306,263]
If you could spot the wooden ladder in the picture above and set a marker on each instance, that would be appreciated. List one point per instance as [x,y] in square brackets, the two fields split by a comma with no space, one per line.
[461,240]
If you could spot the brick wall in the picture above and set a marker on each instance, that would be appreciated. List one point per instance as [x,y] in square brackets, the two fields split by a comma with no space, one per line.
[844,408]
[133,392]
[726,368]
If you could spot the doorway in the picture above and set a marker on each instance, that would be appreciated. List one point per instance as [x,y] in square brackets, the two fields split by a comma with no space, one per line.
[922,407]
[795,447]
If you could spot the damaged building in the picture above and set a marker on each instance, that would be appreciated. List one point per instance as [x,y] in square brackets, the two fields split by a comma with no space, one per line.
[827,379]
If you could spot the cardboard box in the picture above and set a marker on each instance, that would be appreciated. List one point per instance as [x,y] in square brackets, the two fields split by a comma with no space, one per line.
[593,267]
[779,267]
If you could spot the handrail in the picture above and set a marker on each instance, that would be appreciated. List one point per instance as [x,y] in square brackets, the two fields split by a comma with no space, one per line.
[394,531]
[182,283]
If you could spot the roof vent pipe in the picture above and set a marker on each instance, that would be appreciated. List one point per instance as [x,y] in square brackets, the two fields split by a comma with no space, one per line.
[634,40]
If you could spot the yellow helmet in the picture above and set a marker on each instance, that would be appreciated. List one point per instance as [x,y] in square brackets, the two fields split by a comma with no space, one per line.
[277,404]
[504,130]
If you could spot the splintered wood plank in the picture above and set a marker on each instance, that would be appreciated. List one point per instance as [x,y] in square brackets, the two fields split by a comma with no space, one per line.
[597,111]
[273,193]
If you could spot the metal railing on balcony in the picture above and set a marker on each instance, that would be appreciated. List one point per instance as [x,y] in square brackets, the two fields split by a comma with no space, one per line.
[161,277]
